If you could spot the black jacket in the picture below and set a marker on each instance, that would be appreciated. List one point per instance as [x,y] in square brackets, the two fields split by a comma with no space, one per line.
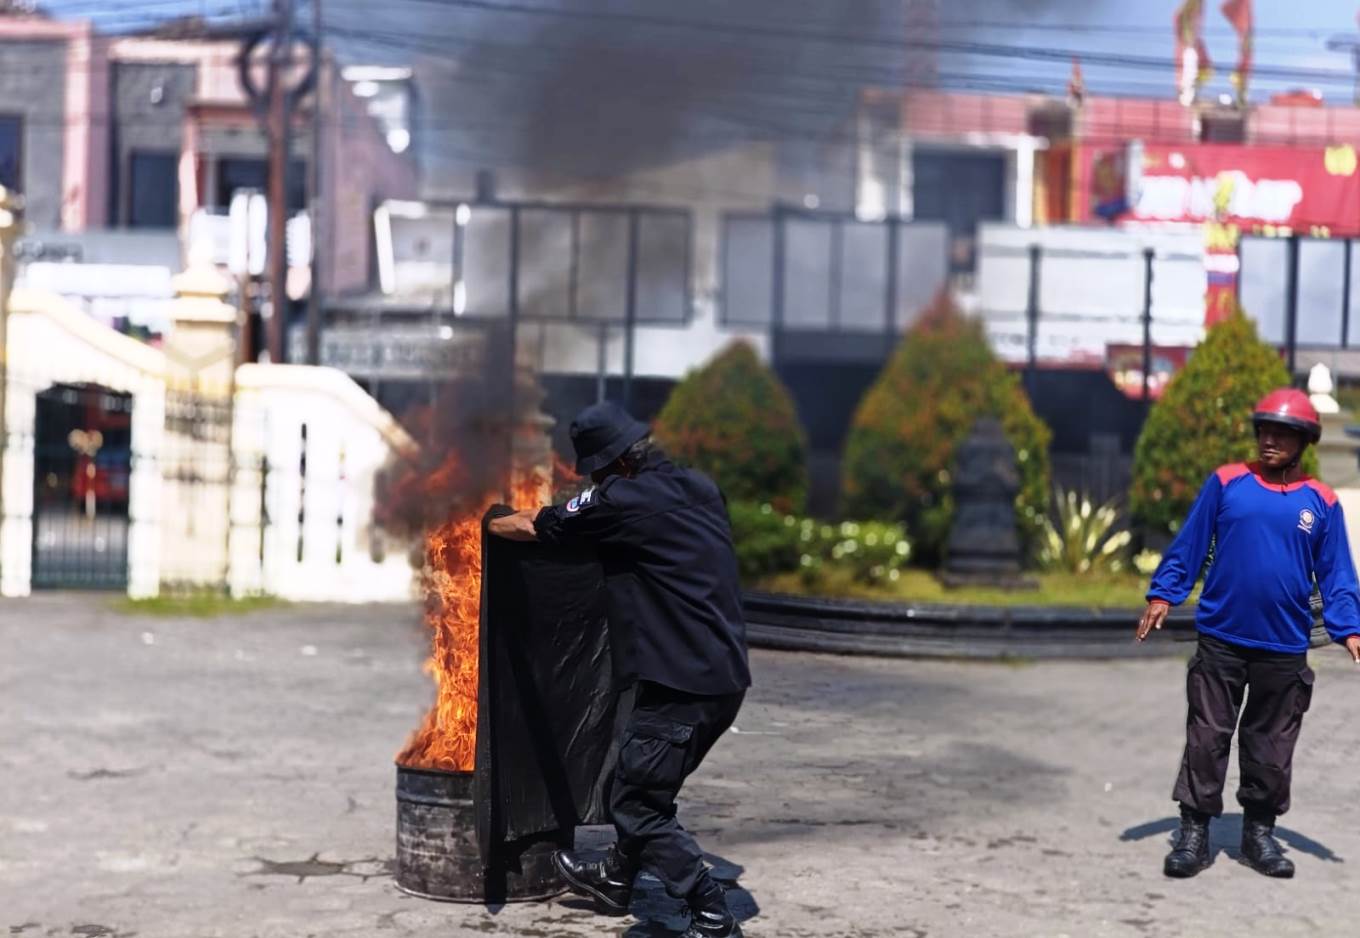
[674,599]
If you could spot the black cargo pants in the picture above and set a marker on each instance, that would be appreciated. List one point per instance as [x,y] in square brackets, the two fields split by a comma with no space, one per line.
[1280,689]
[666,739]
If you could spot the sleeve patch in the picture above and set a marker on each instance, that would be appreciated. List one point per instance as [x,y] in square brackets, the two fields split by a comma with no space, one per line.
[582,501]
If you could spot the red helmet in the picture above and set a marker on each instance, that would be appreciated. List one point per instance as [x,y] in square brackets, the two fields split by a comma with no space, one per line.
[1291,408]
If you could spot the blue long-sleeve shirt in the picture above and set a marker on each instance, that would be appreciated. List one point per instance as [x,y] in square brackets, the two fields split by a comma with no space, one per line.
[1270,542]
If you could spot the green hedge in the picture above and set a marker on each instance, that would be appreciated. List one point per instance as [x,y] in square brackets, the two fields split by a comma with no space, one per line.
[734,420]
[1203,421]
[900,452]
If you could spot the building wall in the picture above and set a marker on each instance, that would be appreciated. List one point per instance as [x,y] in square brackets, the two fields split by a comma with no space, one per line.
[56,71]
[149,103]
[359,171]
[1121,119]
[32,87]
[1305,126]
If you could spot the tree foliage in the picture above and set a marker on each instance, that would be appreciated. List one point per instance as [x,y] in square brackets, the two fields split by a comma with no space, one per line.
[900,452]
[1203,421]
[734,420]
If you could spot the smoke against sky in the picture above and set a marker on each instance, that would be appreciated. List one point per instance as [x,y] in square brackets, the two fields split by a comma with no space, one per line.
[600,89]
[584,86]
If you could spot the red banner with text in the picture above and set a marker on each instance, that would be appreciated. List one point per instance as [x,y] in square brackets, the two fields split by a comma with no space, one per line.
[1230,190]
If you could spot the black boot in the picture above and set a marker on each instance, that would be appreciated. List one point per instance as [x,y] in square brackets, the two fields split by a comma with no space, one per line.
[608,881]
[1261,852]
[709,916]
[1190,853]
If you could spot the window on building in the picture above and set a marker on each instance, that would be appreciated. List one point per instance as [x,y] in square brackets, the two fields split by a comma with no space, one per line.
[244,173]
[12,152]
[153,190]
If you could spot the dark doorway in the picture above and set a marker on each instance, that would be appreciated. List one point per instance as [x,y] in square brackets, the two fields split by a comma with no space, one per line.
[12,152]
[82,469]
[153,190]
[959,189]
[246,173]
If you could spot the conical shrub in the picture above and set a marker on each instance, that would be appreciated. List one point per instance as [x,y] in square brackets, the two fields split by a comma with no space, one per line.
[1203,421]
[734,420]
[899,456]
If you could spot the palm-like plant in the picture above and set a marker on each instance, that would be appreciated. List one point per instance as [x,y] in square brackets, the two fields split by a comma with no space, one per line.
[1084,539]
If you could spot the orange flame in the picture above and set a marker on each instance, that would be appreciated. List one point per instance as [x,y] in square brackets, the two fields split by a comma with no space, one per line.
[447,738]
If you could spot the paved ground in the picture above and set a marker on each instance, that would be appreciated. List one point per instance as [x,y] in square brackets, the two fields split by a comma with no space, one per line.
[187,779]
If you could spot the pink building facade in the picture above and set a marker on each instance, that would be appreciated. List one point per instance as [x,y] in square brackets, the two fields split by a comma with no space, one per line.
[148,132]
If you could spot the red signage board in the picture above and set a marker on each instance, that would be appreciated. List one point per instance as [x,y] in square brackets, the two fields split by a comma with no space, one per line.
[1229,190]
[1308,190]
[1125,365]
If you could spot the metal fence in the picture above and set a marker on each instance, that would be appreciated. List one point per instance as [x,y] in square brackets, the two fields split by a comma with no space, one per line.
[1070,305]
[82,457]
[1303,292]
[1101,476]
[828,285]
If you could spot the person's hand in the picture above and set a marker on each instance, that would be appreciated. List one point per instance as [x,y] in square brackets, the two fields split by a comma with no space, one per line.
[1153,617]
[516,527]
[1353,646]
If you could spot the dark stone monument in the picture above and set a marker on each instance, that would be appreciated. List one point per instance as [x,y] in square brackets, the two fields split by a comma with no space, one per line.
[983,548]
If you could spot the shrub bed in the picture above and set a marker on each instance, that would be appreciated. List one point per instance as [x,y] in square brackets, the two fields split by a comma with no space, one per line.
[770,543]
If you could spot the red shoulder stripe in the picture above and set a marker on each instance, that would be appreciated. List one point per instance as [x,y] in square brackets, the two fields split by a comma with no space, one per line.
[1324,490]
[1235,471]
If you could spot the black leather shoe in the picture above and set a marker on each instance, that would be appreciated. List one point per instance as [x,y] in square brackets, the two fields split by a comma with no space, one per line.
[1261,851]
[709,916]
[1190,854]
[609,881]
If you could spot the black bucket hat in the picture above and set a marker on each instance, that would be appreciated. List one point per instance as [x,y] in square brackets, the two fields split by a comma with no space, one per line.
[601,433]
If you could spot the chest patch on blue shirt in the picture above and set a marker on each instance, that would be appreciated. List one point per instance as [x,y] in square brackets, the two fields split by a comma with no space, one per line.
[1306,521]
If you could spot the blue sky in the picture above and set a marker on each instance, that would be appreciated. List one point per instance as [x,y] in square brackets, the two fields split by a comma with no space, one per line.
[1289,35]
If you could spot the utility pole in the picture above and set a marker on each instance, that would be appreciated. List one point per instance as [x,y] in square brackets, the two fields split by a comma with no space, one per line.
[11,204]
[274,105]
[1149,257]
[323,88]
[281,53]
[1032,322]
[1352,45]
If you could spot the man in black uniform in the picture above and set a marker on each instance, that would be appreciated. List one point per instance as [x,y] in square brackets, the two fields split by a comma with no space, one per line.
[665,541]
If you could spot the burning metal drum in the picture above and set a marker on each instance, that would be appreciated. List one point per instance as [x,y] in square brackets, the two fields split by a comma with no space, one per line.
[437,851]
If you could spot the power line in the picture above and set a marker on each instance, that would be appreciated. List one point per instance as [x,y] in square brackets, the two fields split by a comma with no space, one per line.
[974,81]
[864,75]
[473,68]
[103,6]
[1061,56]
[963,47]
[1124,29]
[970,47]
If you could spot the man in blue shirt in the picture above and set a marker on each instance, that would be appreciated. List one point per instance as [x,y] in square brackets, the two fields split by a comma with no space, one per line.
[1273,531]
